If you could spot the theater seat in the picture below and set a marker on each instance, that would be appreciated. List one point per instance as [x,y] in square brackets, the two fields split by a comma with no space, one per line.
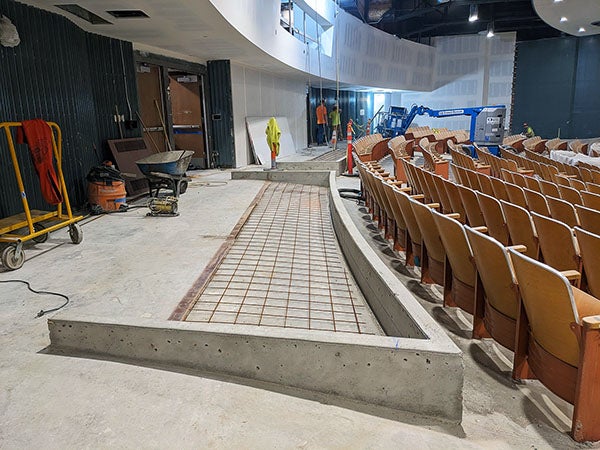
[558,341]
[497,294]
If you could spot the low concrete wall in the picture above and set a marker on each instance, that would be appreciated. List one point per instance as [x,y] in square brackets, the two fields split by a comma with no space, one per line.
[418,371]
[309,177]
[395,307]
[415,375]
[337,166]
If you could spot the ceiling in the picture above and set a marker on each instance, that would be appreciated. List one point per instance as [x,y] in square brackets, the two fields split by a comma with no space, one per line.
[192,30]
[419,20]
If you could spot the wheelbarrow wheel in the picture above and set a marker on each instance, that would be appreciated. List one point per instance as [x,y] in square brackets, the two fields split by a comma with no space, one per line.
[183,185]
[13,259]
[75,233]
[42,237]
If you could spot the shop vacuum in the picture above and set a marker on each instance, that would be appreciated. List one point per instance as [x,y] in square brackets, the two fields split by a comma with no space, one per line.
[106,190]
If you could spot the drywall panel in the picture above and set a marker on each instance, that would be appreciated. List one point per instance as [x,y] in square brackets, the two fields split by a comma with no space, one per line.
[256,127]
[261,94]
[469,71]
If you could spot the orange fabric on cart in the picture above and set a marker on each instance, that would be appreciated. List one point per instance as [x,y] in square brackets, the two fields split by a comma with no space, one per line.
[39,139]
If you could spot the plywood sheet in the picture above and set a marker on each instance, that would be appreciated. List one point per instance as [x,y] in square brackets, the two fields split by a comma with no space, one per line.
[256,127]
[125,153]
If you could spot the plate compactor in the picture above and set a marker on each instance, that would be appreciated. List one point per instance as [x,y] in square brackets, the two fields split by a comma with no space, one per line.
[163,206]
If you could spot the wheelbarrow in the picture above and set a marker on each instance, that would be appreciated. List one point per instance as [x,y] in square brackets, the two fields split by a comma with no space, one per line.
[166,170]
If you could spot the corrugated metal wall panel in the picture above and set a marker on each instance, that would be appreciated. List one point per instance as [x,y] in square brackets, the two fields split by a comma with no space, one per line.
[565,94]
[60,73]
[221,107]
[350,102]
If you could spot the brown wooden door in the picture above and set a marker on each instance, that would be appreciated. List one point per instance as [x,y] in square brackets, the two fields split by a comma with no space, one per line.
[186,108]
[149,89]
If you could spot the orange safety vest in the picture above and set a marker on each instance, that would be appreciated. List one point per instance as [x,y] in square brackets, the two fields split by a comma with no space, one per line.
[321,114]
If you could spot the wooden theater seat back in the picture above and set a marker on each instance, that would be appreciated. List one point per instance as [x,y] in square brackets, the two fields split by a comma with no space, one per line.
[589,243]
[558,341]
[551,307]
[414,239]
[590,200]
[493,217]
[433,255]
[558,246]
[536,202]
[471,206]
[459,286]
[562,211]
[516,195]
[521,229]
[589,218]
[500,293]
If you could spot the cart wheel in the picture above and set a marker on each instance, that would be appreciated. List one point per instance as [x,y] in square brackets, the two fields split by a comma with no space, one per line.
[11,259]
[76,233]
[42,237]
[183,185]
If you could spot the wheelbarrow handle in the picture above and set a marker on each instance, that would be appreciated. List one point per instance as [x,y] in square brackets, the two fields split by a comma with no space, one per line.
[161,175]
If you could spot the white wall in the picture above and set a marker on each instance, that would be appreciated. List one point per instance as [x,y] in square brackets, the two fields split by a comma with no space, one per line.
[366,56]
[258,93]
[469,71]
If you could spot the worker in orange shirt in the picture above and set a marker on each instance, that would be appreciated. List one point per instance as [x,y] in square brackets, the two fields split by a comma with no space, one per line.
[321,122]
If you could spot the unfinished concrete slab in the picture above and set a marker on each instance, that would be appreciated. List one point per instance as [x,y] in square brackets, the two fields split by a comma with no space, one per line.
[286,241]
[55,401]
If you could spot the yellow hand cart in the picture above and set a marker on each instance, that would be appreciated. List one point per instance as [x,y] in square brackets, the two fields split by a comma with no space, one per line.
[12,255]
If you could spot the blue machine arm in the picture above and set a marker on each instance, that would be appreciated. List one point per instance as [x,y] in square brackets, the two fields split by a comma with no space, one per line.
[421,110]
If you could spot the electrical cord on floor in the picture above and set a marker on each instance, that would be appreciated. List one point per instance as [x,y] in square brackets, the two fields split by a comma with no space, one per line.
[43,311]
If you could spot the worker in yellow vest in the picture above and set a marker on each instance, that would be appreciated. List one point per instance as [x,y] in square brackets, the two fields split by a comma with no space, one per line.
[334,118]
[528,131]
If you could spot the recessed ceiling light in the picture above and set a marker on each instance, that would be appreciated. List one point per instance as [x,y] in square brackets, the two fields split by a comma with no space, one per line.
[581,30]
[127,13]
[473,13]
[557,1]
[563,19]
[83,14]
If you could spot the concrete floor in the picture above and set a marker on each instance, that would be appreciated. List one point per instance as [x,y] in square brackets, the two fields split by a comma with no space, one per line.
[134,266]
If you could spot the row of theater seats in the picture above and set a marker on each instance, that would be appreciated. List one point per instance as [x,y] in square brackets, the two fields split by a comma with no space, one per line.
[494,259]
[538,145]
[532,160]
[374,147]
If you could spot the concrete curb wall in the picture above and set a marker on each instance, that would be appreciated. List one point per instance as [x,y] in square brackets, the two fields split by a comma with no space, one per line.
[337,166]
[420,371]
[404,374]
[309,177]
[395,307]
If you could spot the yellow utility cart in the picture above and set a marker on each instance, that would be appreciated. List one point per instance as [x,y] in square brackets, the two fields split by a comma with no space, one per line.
[12,255]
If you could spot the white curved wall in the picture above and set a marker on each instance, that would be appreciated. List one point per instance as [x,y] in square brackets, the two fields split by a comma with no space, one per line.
[365,56]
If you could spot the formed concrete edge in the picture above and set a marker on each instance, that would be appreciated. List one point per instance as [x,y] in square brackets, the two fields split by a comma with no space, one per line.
[309,177]
[338,166]
[396,309]
[404,374]
[420,372]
